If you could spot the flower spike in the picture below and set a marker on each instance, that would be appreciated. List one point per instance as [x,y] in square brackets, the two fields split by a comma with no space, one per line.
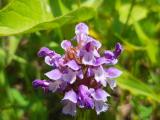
[81,74]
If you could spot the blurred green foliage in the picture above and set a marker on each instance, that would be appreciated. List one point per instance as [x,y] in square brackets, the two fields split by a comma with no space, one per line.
[28,25]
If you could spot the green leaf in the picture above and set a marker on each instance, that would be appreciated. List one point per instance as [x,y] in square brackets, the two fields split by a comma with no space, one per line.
[152,50]
[151,45]
[145,112]
[19,59]
[129,46]
[137,13]
[53,44]
[81,14]
[38,111]
[129,82]
[140,33]
[16,98]
[21,15]
[94,3]
[12,47]
[58,8]
[3,57]
[32,15]
[11,114]
[2,78]
[2,65]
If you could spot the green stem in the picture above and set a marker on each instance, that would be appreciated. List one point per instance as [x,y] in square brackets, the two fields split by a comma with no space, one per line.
[83,114]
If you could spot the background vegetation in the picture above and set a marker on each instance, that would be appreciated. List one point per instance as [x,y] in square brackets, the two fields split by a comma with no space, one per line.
[27,25]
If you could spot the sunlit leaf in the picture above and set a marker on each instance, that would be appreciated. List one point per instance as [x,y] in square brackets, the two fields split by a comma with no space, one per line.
[78,15]
[32,15]
[94,3]
[21,15]
[138,13]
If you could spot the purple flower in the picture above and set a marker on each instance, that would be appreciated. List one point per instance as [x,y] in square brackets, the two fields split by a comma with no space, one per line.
[81,73]
[112,72]
[73,65]
[100,97]
[112,84]
[70,76]
[41,83]
[111,57]
[84,97]
[69,100]
[89,52]
[45,52]
[54,74]
[81,31]
[50,56]
[90,72]
[81,28]
[100,61]
[55,85]
[100,75]
[66,44]
[118,50]
[94,42]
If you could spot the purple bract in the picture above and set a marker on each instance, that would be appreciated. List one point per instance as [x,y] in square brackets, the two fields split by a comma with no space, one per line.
[81,73]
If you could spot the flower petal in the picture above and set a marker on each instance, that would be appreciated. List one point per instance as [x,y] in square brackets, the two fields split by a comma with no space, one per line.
[97,44]
[109,55]
[54,74]
[71,96]
[112,84]
[103,82]
[100,94]
[100,61]
[118,50]
[80,74]
[81,28]
[73,65]
[44,51]
[95,53]
[90,72]
[48,61]
[65,44]
[84,96]
[99,74]
[88,59]
[113,72]
[69,108]
[70,76]
[53,86]
[81,39]
[40,83]
[100,106]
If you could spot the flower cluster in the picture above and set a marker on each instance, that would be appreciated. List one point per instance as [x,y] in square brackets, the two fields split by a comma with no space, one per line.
[81,73]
